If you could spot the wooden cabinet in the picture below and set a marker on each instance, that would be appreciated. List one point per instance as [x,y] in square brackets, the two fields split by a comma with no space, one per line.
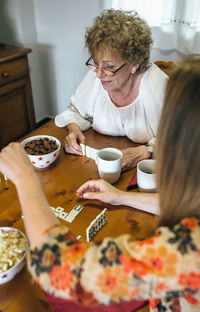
[17,117]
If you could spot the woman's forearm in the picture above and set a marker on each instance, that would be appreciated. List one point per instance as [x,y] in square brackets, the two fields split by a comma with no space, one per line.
[143,201]
[38,217]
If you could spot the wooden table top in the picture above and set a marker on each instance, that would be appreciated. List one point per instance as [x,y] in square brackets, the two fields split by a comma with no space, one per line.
[60,182]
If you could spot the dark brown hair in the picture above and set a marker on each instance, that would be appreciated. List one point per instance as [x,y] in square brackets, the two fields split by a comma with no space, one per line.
[178,152]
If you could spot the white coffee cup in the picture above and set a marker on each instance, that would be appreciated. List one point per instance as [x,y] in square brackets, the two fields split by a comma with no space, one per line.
[109,163]
[146,177]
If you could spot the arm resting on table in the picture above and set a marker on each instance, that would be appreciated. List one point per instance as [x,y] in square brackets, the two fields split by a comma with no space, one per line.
[72,115]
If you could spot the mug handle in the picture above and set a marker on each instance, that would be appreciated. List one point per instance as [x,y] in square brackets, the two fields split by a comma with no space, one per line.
[96,157]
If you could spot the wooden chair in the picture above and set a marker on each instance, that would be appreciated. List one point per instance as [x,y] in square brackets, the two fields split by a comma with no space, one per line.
[167,67]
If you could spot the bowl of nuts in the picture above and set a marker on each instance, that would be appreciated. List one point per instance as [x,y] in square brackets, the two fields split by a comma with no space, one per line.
[42,150]
[13,250]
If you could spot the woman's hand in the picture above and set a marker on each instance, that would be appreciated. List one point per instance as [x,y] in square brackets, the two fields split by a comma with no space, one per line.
[14,163]
[73,139]
[132,155]
[101,190]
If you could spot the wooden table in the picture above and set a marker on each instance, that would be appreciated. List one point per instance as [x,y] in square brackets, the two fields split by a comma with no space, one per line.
[60,182]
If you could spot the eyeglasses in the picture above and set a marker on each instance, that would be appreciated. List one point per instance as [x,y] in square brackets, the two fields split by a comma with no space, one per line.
[106,70]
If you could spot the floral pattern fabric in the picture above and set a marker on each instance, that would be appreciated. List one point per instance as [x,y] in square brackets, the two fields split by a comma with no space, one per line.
[165,268]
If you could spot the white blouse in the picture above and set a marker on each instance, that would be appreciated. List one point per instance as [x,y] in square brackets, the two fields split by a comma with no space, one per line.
[138,120]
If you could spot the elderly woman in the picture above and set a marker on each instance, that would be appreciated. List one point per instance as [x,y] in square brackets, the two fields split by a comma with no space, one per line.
[122,94]
[109,275]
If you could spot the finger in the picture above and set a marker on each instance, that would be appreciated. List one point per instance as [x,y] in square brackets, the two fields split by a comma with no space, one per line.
[71,151]
[89,185]
[93,195]
[69,147]
[72,146]
[124,165]
[84,190]
[77,148]
[81,138]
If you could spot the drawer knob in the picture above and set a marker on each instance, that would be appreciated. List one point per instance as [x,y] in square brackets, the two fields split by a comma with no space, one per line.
[5,75]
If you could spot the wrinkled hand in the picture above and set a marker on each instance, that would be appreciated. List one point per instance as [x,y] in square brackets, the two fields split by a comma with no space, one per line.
[132,155]
[73,139]
[14,163]
[99,189]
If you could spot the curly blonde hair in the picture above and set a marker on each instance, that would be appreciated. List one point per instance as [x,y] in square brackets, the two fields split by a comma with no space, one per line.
[123,31]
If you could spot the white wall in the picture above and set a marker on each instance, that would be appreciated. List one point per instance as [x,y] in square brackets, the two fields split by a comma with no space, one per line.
[54,30]
[60,28]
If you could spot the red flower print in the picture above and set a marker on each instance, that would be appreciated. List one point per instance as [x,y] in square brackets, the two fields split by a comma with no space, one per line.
[54,155]
[133,265]
[191,299]
[110,282]
[73,254]
[4,276]
[148,241]
[47,162]
[153,303]
[135,293]
[157,263]
[61,277]
[161,287]
[76,249]
[113,282]
[33,162]
[40,158]
[189,222]
[161,260]
[191,281]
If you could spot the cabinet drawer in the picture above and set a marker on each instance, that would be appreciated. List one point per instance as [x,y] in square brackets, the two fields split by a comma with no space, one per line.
[13,70]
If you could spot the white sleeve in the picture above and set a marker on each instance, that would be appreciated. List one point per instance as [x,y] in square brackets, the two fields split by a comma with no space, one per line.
[71,115]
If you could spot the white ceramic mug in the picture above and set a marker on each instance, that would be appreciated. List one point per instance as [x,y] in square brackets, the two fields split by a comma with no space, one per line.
[146,177]
[109,163]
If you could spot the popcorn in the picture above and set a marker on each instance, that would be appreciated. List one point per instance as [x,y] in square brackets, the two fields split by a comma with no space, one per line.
[12,248]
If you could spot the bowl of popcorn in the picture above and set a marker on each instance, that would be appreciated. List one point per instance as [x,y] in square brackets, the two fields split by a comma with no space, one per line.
[42,150]
[13,250]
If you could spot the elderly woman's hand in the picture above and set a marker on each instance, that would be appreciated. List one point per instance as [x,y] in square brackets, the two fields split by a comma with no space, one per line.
[132,155]
[73,139]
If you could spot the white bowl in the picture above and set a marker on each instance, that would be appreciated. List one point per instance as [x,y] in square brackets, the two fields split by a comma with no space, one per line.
[8,275]
[43,161]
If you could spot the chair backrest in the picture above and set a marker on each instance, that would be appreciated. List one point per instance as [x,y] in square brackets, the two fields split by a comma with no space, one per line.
[167,67]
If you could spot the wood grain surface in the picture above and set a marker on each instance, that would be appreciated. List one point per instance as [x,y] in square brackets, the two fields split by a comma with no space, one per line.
[60,182]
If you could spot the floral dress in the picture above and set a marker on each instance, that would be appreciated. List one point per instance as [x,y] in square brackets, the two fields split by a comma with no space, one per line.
[165,268]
